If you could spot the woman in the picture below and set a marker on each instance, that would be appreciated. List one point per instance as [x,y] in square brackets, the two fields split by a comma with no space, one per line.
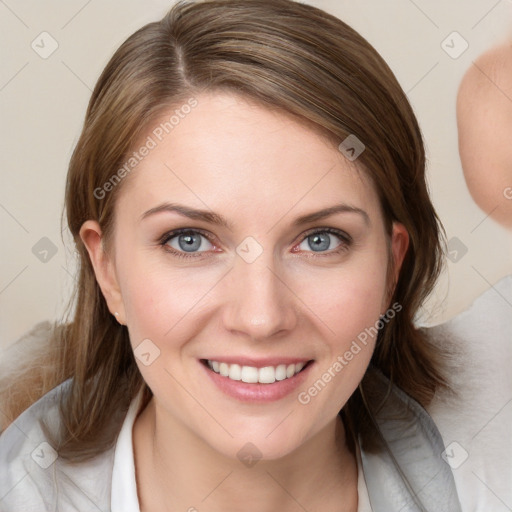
[249,205]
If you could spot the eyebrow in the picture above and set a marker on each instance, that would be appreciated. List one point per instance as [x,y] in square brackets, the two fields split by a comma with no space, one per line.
[217,219]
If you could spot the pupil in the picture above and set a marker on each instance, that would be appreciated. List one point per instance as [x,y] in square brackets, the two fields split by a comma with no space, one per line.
[319,242]
[189,242]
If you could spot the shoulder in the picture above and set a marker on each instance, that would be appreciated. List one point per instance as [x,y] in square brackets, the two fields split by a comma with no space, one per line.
[34,477]
[405,453]
[26,370]
[475,419]
[480,345]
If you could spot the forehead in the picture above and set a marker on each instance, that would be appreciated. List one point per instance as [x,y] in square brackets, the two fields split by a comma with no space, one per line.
[227,152]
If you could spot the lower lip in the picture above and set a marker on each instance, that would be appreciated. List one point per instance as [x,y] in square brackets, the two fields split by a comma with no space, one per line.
[257,392]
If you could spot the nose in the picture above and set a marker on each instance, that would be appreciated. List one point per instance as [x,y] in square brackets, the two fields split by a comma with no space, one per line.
[260,304]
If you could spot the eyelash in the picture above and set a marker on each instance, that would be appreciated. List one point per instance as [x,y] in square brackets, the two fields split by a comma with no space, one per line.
[345,239]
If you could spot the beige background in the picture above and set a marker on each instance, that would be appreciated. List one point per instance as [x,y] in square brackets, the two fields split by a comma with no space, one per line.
[43,102]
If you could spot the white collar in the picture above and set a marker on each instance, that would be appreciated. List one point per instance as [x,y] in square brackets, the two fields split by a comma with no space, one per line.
[124,486]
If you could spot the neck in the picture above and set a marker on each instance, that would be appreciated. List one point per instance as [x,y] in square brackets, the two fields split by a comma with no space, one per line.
[181,472]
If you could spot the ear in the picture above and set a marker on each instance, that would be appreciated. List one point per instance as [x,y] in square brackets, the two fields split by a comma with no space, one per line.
[104,269]
[398,248]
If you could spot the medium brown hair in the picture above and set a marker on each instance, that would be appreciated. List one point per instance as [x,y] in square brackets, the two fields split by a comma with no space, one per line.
[287,56]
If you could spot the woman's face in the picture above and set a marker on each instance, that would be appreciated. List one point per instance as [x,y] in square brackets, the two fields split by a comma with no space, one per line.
[261,278]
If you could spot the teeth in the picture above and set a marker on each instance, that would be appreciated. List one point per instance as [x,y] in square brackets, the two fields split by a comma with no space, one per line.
[267,375]
[281,372]
[299,366]
[250,374]
[235,372]
[253,375]
[224,369]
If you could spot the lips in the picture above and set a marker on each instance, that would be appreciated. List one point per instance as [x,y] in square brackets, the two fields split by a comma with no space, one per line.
[256,374]
[256,380]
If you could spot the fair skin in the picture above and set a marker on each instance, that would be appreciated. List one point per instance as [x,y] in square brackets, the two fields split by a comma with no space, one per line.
[261,171]
[484,122]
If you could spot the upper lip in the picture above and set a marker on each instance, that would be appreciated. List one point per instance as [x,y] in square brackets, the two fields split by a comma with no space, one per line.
[258,362]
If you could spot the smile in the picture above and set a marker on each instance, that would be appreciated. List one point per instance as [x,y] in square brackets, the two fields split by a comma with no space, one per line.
[254,375]
[258,381]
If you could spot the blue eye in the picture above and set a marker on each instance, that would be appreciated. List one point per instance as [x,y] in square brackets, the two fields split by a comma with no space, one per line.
[192,243]
[325,240]
[186,241]
[319,241]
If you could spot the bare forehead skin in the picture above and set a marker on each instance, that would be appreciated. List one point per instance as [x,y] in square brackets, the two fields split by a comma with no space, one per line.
[229,149]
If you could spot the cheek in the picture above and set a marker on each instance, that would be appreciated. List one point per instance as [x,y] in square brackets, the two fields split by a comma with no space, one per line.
[155,302]
[164,306]
[161,299]
[348,298]
[349,303]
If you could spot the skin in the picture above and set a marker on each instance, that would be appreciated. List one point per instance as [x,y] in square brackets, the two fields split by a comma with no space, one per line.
[260,170]
[484,121]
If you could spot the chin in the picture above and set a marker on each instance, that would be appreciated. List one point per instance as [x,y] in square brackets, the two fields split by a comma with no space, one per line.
[271,439]
[257,449]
